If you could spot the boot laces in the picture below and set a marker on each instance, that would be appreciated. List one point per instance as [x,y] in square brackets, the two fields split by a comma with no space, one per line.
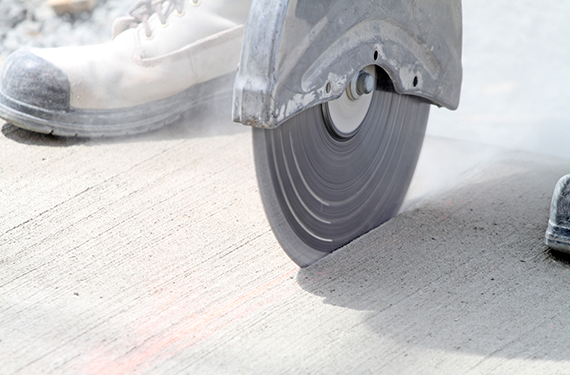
[142,11]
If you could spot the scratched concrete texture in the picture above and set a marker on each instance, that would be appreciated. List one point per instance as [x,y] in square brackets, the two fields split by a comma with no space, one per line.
[152,254]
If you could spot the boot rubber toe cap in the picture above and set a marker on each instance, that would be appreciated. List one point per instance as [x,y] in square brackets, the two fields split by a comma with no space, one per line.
[30,80]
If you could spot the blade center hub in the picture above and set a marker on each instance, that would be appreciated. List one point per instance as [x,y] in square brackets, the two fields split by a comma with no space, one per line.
[343,116]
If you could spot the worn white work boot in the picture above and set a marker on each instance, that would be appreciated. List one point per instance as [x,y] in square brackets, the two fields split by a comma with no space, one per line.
[161,60]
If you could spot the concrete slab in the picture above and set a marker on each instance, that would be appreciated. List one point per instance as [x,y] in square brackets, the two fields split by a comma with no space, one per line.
[152,254]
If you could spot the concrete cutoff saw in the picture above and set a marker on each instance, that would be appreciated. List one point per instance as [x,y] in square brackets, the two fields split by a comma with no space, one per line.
[338,93]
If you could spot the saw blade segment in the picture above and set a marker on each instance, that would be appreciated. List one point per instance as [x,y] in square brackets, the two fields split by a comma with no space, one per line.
[321,191]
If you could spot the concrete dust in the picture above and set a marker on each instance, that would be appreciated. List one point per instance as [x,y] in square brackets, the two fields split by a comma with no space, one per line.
[213,107]
[515,65]
[513,96]
[443,164]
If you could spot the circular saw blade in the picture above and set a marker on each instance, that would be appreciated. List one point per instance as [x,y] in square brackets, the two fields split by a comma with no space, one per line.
[321,191]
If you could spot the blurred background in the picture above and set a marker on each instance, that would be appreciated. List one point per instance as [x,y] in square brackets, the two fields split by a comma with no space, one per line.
[516,56]
[35,23]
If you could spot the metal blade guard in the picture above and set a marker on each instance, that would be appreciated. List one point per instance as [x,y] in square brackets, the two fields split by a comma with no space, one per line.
[300,53]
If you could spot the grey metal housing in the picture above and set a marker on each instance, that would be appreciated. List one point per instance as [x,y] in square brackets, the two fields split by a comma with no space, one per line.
[300,53]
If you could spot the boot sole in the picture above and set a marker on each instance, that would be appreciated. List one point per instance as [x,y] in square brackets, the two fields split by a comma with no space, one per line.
[558,238]
[112,122]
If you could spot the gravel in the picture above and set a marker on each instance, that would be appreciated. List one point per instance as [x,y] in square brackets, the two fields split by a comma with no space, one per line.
[33,23]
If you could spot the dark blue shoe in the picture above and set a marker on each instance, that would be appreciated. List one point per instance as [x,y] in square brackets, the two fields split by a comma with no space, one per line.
[558,232]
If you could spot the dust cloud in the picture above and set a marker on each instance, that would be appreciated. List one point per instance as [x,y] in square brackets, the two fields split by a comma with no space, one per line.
[514,93]
[515,85]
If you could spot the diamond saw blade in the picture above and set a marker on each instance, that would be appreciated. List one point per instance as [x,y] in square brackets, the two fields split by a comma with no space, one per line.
[321,190]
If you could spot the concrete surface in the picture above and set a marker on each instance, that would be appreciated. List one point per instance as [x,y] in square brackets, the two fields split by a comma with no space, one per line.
[152,255]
